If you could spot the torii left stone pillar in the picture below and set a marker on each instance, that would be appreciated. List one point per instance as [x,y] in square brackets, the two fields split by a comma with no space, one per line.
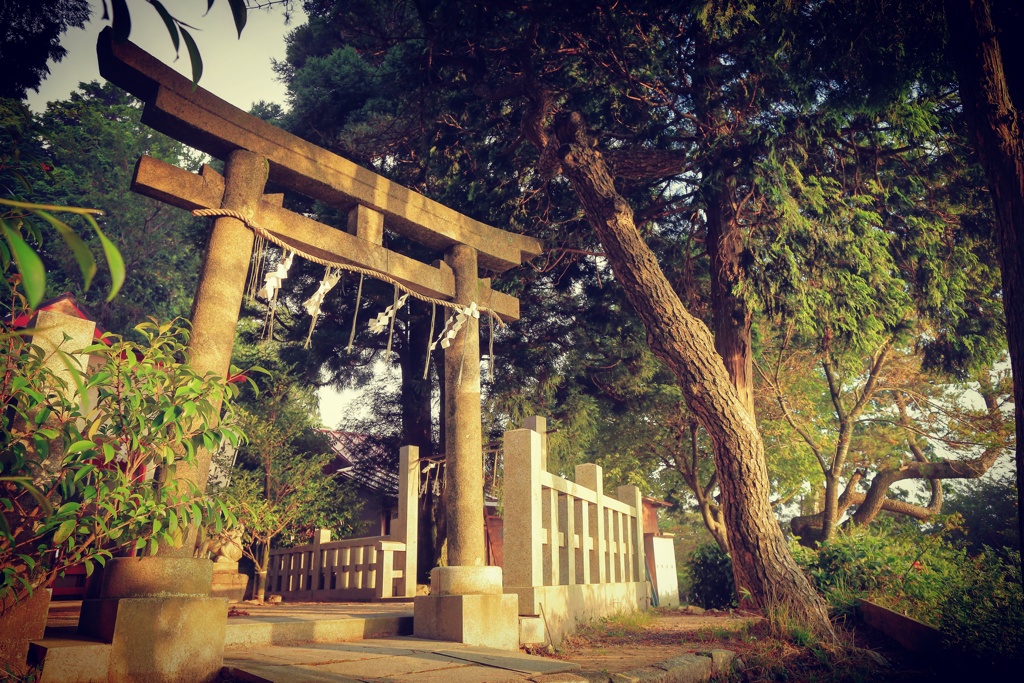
[157,612]
[221,287]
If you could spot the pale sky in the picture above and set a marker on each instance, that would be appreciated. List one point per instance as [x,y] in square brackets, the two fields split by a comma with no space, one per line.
[237,70]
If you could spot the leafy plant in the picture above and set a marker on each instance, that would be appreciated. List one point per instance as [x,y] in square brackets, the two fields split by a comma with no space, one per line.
[711,574]
[984,614]
[21,218]
[898,567]
[278,490]
[79,451]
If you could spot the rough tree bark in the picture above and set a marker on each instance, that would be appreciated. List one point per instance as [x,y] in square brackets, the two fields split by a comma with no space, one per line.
[762,563]
[988,85]
[731,315]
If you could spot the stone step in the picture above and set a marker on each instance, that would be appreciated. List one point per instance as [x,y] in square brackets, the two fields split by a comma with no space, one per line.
[67,657]
[272,630]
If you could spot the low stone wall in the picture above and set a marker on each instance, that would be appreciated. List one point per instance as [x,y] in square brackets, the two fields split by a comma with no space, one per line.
[563,607]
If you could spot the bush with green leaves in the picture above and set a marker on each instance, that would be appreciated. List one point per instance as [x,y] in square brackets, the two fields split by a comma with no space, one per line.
[983,616]
[899,567]
[712,584]
[278,490]
[77,456]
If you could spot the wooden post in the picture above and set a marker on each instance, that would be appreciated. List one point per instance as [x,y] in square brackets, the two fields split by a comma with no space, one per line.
[523,509]
[589,475]
[464,473]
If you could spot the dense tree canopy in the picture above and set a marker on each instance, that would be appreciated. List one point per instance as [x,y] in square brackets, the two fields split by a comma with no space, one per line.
[802,165]
[30,33]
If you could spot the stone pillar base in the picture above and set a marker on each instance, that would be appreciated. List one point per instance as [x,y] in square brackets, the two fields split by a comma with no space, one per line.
[21,622]
[227,582]
[158,616]
[467,605]
[466,581]
[487,620]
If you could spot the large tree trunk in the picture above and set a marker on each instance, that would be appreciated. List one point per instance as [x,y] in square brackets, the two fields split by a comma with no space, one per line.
[731,316]
[988,85]
[416,391]
[762,563]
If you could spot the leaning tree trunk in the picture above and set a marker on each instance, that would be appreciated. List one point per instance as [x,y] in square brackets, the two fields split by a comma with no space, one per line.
[731,315]
[762,563]
[988,84]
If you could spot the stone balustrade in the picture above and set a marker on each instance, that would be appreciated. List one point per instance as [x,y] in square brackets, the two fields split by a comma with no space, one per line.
[572,552]
[369,568]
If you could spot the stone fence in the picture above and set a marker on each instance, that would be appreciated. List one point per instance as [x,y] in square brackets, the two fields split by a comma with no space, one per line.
[572,552]
[371,568]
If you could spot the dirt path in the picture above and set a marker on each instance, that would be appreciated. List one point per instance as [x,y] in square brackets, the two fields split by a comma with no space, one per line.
[618,645]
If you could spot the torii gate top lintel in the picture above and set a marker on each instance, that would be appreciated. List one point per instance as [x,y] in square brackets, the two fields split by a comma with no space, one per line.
[202,120]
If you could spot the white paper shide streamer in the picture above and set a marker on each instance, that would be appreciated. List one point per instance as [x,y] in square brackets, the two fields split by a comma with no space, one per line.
[454,324]
[274,278]
[271,287]
[315,302]
[381,322]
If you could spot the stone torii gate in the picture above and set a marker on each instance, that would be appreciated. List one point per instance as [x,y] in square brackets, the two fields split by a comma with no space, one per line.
[466,602]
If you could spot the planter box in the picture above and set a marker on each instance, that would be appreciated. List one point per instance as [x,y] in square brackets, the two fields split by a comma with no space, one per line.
[20,622]
[914,635]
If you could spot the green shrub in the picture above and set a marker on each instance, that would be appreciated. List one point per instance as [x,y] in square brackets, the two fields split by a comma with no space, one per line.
[901,568]
[711,578]
[74,483]
[984,615]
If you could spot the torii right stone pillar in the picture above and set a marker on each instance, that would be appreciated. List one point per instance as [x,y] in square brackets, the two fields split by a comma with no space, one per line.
[466,603]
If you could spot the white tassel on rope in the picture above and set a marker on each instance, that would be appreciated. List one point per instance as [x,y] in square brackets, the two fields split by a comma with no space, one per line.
[315,302]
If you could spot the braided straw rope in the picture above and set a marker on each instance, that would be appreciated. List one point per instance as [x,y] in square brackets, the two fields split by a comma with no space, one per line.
[376,274]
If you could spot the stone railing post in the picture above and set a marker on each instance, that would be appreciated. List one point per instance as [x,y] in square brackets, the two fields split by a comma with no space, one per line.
[630,495]
[319,536]
[408,509]
[540,425]
[590,476]
[523,509]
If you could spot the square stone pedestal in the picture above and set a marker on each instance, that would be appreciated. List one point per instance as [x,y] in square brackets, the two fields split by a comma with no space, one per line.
[20,622]
[466,605]
[487,620]
[159,618]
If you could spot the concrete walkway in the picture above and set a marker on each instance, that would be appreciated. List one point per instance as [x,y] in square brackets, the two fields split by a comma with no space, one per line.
[335,642]
[388,659]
